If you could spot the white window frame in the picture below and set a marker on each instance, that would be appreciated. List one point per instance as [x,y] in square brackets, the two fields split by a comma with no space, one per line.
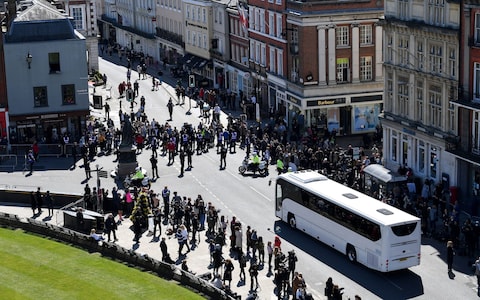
[420,54]
[278,25]
[403,58]
[477,28]
[271,58]
[403,96]
[280,62]
[403,9]
[366,34]
[271,23]
[419,101]
[452,62]
[366,69]
[78,21]
[476,132]
[435,105]
[421,157]
[342,34]
[476,82]
[435,60]
[436,12]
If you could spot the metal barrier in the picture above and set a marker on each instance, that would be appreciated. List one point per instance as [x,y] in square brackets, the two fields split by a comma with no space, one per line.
[8,161]
[59,213]
[44,149]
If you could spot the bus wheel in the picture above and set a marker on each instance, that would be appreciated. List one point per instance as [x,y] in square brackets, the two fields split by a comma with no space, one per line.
[351,253]
[291,221]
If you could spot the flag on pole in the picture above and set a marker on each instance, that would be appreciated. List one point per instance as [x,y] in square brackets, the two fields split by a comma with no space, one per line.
[243,12]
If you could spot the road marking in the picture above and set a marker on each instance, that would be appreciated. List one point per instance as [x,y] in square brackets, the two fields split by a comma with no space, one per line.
[395,285]
[270,200]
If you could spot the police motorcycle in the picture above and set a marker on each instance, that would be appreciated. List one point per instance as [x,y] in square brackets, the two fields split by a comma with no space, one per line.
[139,179]
[249,166]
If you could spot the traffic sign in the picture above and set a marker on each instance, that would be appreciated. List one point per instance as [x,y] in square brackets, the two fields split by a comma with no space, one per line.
[191,81]
[130,95]
[102,174]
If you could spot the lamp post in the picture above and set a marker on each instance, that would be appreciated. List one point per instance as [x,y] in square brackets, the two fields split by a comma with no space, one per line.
[28,58]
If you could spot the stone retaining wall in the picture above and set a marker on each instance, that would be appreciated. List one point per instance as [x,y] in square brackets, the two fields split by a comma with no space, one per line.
[116,252]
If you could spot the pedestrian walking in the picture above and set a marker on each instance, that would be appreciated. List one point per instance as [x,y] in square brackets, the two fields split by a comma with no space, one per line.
[270,255]
[223,158]
[182,162]
[111,227]
[157,221]
[86,166]
[227,271]
[450,255]
[74,154]
[170,108]
[33,202]
[253,270]
[39,198]
[154,162]
[242,261]
[30,161]
[107,111]
[49,201]
[189,152]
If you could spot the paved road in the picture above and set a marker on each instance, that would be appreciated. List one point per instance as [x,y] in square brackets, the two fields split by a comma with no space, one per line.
[250,199]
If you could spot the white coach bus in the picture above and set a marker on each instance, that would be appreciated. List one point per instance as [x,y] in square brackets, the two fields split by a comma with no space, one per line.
[367,230]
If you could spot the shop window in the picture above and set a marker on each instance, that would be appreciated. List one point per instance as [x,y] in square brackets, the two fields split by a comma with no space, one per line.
[68,94]
[54,62]
[40,96]
[394,146]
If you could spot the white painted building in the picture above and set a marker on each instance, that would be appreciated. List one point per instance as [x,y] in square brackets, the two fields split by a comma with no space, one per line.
[421,65]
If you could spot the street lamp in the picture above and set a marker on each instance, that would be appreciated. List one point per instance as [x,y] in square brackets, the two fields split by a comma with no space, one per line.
[28,58]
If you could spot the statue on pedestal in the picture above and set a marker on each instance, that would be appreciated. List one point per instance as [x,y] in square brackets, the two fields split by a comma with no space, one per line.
[127,133]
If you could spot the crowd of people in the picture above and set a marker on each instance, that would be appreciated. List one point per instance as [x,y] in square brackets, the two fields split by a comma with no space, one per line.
[193,222]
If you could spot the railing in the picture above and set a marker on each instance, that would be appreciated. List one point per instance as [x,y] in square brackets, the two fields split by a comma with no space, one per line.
[59,214]
[8,162]
[44,149]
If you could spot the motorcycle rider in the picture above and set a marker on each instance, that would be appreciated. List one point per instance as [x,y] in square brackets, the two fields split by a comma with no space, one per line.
[280,166]
[255,161]
[137,177]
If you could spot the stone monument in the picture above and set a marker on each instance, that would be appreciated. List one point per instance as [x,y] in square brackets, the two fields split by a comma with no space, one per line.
[127,158]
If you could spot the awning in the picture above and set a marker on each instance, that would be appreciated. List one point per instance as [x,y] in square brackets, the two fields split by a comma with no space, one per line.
[383,174]
[200,64]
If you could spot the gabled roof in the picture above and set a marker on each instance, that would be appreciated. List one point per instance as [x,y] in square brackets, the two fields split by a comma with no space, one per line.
[40,22]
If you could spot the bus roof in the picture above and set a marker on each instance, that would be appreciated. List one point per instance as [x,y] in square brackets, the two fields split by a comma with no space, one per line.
[364,205]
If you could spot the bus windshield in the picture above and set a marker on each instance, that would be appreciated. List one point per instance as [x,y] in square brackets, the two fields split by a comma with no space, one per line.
[404,229]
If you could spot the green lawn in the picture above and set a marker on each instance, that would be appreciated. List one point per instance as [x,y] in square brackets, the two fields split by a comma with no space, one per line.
[32,267]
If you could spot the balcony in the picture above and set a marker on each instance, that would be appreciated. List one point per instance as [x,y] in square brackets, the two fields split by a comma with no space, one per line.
[169,36]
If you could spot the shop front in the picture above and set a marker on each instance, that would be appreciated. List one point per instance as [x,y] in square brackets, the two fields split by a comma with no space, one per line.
[47,128]
[341,115]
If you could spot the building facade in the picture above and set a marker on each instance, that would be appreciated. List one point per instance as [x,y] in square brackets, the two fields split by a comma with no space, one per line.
[83,14]
[334,66]
[47,56]
[421,86]
[267,52]
[237,72]
[170,30]
[466,147]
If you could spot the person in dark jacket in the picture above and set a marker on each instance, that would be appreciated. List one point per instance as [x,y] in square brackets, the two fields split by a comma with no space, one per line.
[450,254]
[33,202]
[111,227]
